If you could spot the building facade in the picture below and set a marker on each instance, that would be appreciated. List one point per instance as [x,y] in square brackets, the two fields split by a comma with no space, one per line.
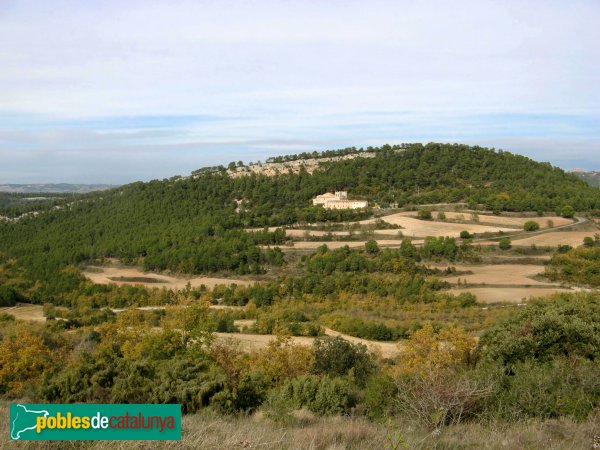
[338,200]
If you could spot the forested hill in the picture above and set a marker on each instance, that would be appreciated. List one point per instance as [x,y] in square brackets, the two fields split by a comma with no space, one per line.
[196,224]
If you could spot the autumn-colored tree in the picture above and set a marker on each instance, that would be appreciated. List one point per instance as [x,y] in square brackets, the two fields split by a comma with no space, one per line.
[282,360]
[23,358]
[428,350]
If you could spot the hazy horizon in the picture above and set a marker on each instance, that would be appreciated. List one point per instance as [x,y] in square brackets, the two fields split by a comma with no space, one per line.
[112,93]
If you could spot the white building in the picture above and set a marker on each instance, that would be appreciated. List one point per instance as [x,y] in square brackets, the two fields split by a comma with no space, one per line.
[339,200]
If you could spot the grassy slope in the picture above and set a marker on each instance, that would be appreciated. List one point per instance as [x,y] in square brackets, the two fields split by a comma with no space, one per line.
[212,432]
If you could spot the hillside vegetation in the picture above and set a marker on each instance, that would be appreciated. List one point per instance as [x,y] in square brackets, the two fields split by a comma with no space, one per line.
[194,225]
[322,316]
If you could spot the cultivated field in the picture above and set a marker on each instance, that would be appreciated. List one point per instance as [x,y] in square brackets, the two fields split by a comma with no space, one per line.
[135,276]
[555,238]
[311,245]
[507,294]
[509,221]
[494,274]
[257,341]
[291,232]
[413,227]
[26,311]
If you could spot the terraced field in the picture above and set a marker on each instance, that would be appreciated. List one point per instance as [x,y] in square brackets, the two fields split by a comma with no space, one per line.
[508,221]
[555,238]
[135,276]
[507,294]
[26,312]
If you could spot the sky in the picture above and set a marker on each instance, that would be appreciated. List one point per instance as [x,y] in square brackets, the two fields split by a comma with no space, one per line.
[118,91]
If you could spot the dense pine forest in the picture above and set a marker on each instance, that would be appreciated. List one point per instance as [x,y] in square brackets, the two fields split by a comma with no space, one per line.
[195,224]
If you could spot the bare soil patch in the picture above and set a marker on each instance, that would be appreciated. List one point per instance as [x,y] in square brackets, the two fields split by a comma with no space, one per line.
[554,239]
[494,274]
[135,276]
[508,294]
[489,219]
[26,311]
[258,341]
[413,227]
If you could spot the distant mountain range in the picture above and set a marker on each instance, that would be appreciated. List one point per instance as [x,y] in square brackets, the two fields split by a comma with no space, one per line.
[54,188]
[592,177]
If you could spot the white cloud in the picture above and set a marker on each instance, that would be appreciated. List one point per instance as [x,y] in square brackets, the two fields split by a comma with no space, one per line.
[294,70]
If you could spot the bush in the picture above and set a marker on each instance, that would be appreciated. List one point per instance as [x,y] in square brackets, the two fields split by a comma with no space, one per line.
[8,296]
[337,357]
[588,241]
[424,214]
[324,396]
[464,234]
[441,215]
[567,212]
[379,397]
[531,225]
[4,317]
[505,243]
[372,247]
[556,388]
[564,325]
[441,397]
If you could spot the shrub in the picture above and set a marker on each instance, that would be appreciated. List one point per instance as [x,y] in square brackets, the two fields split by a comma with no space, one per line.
[441,396]
[567,212]
[372,247]
[441,215]
[337,357]
[324,396]
[424,214]
[464,234]
[379,397]
[559,387]
[505,243]
[8,296]
[531,225]
[588,241]
[564,325]
[4,317]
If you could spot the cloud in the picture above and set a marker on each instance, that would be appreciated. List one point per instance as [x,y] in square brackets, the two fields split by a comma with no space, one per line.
[102,79]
